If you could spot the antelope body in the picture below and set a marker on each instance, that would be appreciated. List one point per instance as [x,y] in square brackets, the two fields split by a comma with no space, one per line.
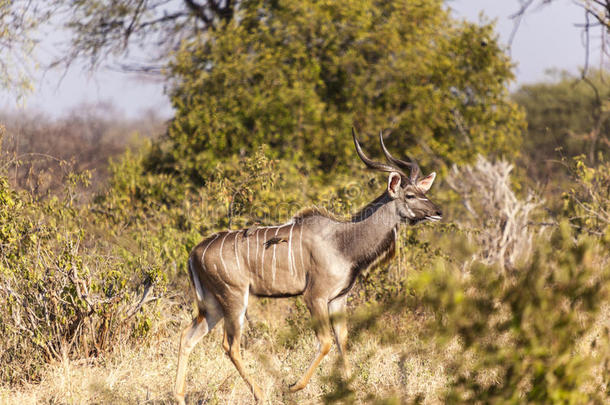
[314,255]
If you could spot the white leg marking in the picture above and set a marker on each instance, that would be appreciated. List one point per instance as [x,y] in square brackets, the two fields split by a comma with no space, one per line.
[290,258]
[242,316]
[198,288]
[235,249]
[222,260]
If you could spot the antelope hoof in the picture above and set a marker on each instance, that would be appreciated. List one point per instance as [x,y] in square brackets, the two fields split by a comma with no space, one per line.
[347,371]
[295,387]
[179,399]
[258,394]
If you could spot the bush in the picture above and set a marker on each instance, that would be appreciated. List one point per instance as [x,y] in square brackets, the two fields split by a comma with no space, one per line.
[587,202]
[63,292]
[536,336]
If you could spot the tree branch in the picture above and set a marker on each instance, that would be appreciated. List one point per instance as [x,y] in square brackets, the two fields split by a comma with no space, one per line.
[517,17]
[129,29]
[199,11]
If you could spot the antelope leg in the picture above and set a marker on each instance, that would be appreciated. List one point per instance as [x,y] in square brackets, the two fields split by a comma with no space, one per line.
[337,312]
[319,313]
[192,334]
[232,338]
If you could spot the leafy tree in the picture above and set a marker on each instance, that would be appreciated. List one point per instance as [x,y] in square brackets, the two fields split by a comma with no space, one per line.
[298,75]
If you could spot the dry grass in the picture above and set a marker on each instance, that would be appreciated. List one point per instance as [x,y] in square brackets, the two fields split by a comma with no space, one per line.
[142,375]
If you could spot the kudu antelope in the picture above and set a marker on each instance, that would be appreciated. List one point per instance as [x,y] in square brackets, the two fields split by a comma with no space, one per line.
[313,255]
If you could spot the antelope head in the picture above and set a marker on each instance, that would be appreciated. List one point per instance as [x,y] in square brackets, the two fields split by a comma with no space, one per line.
[409,192]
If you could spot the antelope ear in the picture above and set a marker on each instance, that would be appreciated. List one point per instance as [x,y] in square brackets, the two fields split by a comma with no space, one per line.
[394,184]
[425,183]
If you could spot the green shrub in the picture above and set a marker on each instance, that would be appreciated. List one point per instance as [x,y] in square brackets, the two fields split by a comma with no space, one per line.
[587,201]
[535,337]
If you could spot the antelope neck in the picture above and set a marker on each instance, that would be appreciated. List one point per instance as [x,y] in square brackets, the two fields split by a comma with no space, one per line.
[370,232]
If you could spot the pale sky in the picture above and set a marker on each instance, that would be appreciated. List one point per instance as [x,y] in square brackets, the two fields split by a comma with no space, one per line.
[546,39]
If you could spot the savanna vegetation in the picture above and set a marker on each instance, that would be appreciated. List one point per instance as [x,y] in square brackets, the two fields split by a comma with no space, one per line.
[505,301]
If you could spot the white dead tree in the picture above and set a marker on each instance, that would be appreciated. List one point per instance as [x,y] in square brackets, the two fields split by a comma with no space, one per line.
[501,218]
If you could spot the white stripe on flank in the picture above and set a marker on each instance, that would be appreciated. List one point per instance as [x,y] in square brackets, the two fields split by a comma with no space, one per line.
[301,248]
[290,258]
[273,260]
[222,260]
[206,248]
[235,249]
[256,257]
[248,254]
[263,255]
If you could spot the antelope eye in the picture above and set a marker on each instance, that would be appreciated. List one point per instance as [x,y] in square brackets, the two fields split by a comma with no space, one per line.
[409,196]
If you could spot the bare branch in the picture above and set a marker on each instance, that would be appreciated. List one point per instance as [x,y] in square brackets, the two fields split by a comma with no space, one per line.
[164,18]
[502,217]
[198,10]
[119,28]
[134,18]
[587,45]
[598,9]
[143,300]
[517,17]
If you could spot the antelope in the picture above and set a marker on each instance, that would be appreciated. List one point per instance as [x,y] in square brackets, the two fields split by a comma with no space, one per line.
[313,255]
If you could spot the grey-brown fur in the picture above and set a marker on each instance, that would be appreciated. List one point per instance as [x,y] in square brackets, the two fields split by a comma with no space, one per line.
[314,254]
